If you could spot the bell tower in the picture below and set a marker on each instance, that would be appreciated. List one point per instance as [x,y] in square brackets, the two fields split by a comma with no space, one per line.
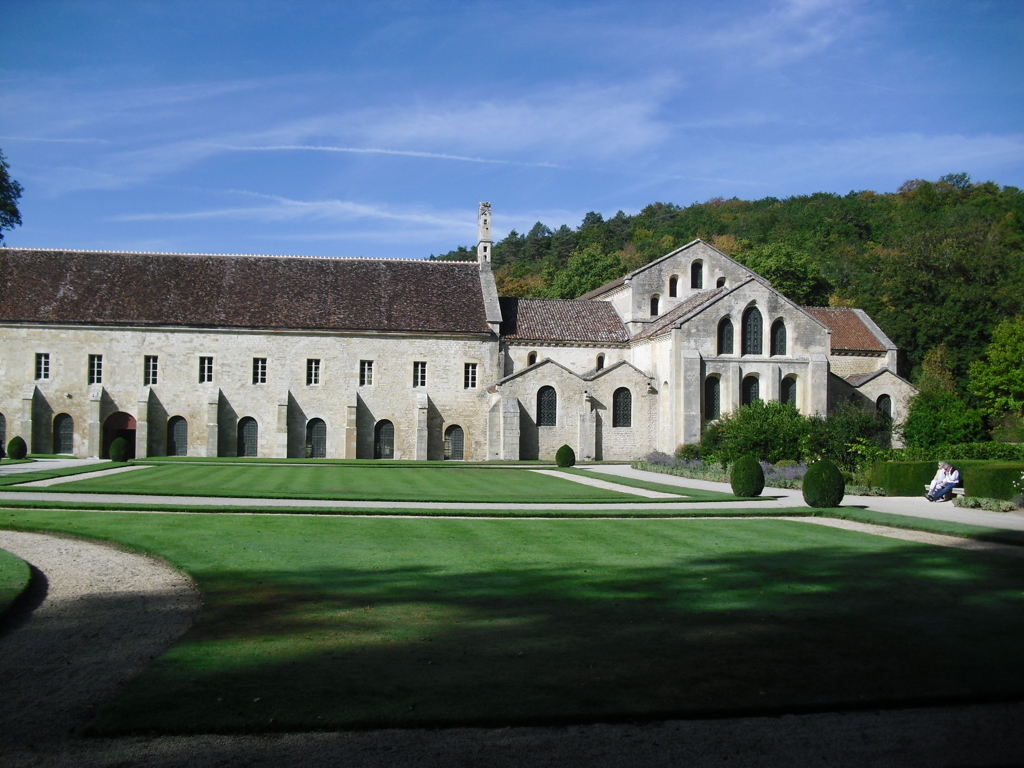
[483,229]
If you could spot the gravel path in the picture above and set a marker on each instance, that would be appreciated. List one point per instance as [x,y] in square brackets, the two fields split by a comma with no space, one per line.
[94,616]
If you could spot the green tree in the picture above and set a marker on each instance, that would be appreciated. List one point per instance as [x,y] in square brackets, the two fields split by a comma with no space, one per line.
[998,379]
[10,193]
[942,418]
[586,270]
[790,272]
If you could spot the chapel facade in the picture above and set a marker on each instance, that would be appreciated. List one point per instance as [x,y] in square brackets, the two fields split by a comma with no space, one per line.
[277,357]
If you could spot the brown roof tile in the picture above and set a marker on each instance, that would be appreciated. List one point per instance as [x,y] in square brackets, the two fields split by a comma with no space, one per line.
[849,333]
[240,291]
[664,323]
[561,320]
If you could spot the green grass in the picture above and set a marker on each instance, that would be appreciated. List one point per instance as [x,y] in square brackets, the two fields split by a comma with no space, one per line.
[978,532]
[378,463]
[302,481]
[47,474]
[342,623]
[14,576]
[5,461]
[692,493]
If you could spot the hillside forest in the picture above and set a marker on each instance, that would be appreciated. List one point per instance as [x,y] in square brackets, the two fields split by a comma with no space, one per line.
[937,264]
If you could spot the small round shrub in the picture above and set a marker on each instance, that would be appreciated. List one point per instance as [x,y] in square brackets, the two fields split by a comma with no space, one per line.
[747,477]
[119,450]
[824,485]
[16,448]
[565,456]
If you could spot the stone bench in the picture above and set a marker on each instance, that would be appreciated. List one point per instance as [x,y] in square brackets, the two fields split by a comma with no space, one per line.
[956,491]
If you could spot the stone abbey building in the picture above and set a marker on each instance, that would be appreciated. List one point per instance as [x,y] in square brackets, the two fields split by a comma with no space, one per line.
[202,355]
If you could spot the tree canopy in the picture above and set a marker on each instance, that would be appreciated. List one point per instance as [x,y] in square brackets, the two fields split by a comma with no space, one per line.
[10,193]
[998,378]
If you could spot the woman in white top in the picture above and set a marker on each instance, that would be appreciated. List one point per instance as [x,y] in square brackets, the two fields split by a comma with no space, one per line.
[945,480]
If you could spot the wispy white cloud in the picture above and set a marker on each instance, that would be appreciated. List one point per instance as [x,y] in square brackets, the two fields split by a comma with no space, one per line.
[376,151]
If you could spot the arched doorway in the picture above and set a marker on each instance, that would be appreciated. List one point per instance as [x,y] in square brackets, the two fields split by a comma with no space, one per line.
[248,437]
[454,443]
[63,433]
[117,425]
[384,440]
[316,439]
[177,436]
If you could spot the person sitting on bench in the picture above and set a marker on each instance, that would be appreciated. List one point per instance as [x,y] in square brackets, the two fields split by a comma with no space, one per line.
[946,479]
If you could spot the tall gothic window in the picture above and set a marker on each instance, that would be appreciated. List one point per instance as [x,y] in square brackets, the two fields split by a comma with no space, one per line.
[883,407]
[712,398]
[622,408]
[697,275]
[787,394]
[752,343]
[725,336]
[750,390]
[778,338]
[547,407]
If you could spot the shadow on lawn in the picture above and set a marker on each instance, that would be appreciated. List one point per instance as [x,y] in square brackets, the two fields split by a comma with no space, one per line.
[791,631]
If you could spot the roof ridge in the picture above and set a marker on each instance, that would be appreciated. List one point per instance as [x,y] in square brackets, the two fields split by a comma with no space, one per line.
[230,255]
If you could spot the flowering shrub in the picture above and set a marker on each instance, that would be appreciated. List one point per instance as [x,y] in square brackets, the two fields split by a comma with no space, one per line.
[785,474]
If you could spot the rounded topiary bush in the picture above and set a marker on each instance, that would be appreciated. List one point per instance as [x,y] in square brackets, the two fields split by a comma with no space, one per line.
[16,448]
[747,477]
[824,485]
[565,456]
[119,450]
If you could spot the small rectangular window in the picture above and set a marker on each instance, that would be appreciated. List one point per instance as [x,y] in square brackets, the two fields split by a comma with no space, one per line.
[95,369]
[312,372]
[419,374]
[365,373]
[43,365]
[469,377]
[149,373]
[205,370]
[259,370]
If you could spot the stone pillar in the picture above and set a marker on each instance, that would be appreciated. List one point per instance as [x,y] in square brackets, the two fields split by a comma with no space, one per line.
[281,435]
[816,397]
[142,425]
[421,427]
[351,433]
[731,389]
[772,383]
[509,429]
[690,385]
[95,440]
[28,408]
[212,421]
[587,436]
[483,228]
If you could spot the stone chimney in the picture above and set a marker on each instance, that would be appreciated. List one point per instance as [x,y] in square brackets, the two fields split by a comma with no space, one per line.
[483,228]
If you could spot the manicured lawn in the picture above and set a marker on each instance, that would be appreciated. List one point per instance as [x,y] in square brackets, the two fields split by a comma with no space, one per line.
[46,474]
[339,623]
[14,576]
[370,483]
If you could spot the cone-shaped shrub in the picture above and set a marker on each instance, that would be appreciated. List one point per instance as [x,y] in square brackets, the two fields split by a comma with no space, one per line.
[16,449]
[565,457]
[747,477]
[824,485]
[119,450]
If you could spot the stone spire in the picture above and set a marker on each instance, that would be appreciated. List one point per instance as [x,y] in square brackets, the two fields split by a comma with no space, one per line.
[483,228]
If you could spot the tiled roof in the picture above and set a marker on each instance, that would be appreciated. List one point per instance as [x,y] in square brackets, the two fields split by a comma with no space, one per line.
[607,287]
[664,323]
[561,320]
[849,333]
[240,291]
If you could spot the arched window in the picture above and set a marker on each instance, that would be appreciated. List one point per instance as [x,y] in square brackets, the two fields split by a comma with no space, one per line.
[697,274]
[248,437]
[752,332]
[547,407]
[654,305]
[63,433]
[600,362]
[454,443]
[750,390]
[787,393]
[622,408]
[778,343]
[3,431]
[720,283]
[883,407]
[531,359]
[384,440]
[725,336]
[712,398]
[177,436]
[316,439]
[673,286]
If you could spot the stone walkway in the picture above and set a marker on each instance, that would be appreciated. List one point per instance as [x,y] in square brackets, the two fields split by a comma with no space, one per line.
[593,482]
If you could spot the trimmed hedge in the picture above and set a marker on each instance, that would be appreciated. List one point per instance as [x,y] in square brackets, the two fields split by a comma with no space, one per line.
[565,456]
[903,478]
[958,452]
[16,448]
[119,450]
[992,481]
[987,479]
[824,485]
[747,477]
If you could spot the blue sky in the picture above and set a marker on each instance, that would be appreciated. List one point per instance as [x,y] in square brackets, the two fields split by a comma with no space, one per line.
[373,129]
